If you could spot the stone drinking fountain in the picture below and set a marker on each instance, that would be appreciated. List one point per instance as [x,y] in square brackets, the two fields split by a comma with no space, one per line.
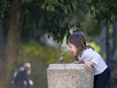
[69,75]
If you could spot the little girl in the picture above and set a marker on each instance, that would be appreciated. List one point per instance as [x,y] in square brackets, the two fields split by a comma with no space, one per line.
[87,54]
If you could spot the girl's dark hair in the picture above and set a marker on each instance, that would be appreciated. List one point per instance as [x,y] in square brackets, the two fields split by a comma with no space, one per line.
[78,39]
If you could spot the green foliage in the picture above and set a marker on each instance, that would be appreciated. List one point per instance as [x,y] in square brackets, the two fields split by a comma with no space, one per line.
[48,16]
[103,9]
[42,21]
[66,5]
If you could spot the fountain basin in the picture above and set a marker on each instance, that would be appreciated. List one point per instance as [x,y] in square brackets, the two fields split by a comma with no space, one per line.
[69,76]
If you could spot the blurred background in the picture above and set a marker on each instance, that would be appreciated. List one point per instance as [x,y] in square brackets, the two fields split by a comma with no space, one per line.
[45,32]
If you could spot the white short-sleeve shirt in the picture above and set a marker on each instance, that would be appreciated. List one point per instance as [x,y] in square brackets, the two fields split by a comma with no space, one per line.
[90,54]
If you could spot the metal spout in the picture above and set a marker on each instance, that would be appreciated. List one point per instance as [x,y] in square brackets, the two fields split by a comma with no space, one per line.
[60,60]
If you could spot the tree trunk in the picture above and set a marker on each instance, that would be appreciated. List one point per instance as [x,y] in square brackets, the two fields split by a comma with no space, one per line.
[13,41]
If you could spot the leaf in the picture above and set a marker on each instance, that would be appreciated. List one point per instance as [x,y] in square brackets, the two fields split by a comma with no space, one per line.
[43,6]
[51,7]
[47,8]
[65,10]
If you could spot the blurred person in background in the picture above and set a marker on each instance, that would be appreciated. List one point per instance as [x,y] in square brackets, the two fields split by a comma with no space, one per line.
[21,78]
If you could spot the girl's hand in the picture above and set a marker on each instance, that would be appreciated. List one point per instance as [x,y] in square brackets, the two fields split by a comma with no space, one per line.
[87,65]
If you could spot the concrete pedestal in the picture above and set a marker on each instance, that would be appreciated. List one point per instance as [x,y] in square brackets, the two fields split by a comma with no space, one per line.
[69,76]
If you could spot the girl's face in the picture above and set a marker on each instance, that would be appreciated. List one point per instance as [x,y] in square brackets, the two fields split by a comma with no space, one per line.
[73,49]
